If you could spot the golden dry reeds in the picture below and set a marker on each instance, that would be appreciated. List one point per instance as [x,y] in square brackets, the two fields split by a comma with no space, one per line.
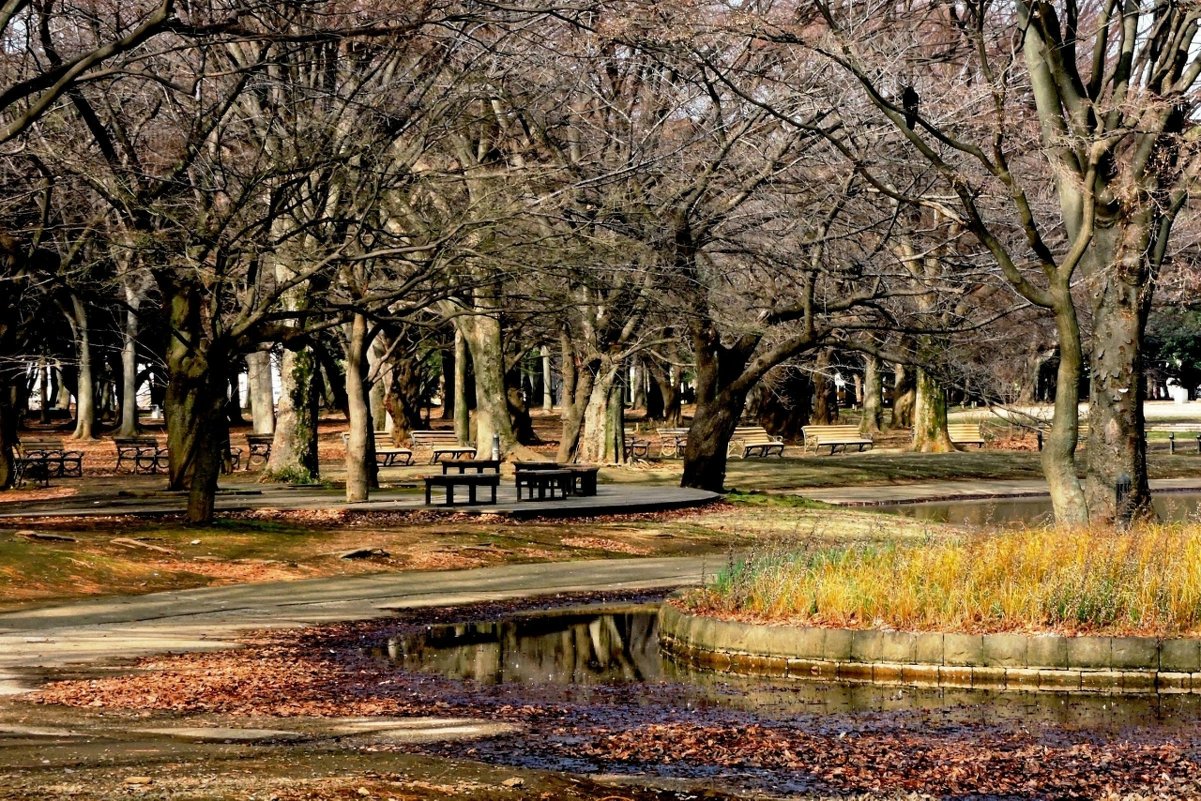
[1146,581]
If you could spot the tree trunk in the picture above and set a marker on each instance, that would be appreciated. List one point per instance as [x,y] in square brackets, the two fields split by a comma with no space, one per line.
[129,365]
[8,431]
[873,396]
[1059,449]
[903,391]
[294,446]
[568,369]
[705,454]
[825,399]
[85,389]
[598,441]
[1117,448]
[359,456]
[930,415]
[261,391]
[482,334]
[462,407]
[197,434]
[548,398]
[784,406]
[573,417]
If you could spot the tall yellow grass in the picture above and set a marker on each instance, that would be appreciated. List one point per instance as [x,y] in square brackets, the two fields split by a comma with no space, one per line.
[1146,581]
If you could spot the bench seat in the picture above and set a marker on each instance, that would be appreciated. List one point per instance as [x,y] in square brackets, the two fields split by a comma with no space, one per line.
[545,483]
[258,447]
[143,454]
[441,444]
[472,481]
[965,434]
[672,442]
[748,441]
[834,437]
[60,462]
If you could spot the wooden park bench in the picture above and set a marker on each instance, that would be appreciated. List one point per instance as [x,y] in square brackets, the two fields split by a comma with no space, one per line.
[834,437]
[143,454]
[584,476]
[672,442]
[463,466]
[386,454]
[748,441]
[59,462]
[545,483]
[258,446]
[966,434]
[441,444]
[472,481]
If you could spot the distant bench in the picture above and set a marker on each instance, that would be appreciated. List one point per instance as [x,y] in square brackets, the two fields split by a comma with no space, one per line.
[1183,430]
[748,441]
[386,453]
[635,446]
[39,460]
[1081,434]
[142,454]
[834,437]
[672,441]
[258,447]
[442,444]
[966,434]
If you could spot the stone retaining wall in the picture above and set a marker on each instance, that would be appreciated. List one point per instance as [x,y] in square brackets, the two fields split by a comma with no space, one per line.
[1046,662]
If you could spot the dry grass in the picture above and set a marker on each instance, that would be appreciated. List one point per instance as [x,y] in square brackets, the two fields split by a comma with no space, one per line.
[1145,582]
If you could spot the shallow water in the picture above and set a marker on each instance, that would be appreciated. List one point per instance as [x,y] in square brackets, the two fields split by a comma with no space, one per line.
[1171,507]
[591,655]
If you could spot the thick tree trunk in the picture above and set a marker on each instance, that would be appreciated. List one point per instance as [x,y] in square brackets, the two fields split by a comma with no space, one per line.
[705,454]
[482,334]
[903,392]
[825,399]
[873,396]
[930,415]
[568,368]
[294,446]
[573,417]
[261,391]
[1117,450]
[85,388]
[8,433]
[378,391]
[197,433]
[360,459]
[784,406]
[599,442]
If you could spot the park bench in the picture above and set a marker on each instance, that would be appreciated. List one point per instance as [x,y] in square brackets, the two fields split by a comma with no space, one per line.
[966,434]
[258,447]
[1182,430]
[59,462]
[636,447]
[143,454]
[545,483]
[472,481]
[584,477]
[672,442]
[386,454]
[748,441]
[442,444]
[463,466]
[834,437]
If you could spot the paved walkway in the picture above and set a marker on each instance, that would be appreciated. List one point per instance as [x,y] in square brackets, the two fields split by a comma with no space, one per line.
[211,618]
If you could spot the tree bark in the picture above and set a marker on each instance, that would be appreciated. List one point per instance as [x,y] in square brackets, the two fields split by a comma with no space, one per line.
[85,389]
[129,364]
[462,407]
[1059,449]
[573,416]
[261,391]
[197,433]
[599,442]
[548,398]
[294,446]
[360,458]
[930,415]
[903,391]
[873,396]
[482,334]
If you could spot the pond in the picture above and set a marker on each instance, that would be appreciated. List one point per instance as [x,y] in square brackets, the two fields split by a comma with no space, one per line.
[585,654]
[1171,507]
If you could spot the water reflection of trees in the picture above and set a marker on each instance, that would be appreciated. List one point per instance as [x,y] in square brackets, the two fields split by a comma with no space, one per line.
[567,649]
